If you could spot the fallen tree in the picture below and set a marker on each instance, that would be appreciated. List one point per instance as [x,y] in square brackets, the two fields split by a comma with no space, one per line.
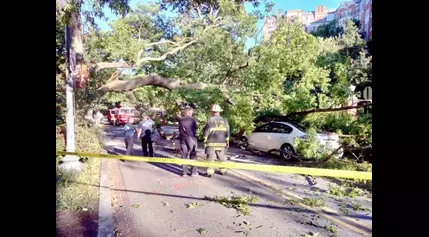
[287,117]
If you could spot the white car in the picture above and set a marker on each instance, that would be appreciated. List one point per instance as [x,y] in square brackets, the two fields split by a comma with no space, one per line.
[279,137]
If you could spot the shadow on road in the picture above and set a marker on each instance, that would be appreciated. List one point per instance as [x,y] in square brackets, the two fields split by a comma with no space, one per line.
[296,209]
[172,168]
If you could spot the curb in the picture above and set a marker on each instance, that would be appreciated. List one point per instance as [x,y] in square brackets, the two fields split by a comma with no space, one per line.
[105,214]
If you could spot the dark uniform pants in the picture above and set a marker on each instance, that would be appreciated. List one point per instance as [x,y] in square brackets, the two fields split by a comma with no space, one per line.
[215,154]
[188,151]
[147,143]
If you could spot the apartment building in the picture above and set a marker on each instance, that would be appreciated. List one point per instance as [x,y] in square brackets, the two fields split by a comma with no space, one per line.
[365,18]
[355,9]
[348,11]
[330,16]
[306,18]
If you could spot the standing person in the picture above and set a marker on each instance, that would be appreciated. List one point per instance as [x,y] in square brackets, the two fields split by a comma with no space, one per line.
[98,117]
[188,139]
[144,131]
[129,131]
[216,138]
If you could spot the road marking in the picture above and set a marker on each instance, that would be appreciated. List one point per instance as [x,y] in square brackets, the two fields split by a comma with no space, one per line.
[326,212]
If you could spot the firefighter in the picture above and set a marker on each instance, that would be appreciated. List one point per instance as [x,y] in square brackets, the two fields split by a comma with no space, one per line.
[216,138]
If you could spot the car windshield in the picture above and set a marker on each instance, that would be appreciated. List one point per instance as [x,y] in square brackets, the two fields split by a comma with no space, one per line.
[113,111]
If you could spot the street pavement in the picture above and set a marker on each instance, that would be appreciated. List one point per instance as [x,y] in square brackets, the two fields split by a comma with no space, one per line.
[159,197]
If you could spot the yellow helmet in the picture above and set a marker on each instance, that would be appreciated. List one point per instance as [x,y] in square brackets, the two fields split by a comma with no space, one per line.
[215,108]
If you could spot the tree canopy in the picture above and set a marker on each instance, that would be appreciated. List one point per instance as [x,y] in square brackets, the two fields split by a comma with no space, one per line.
[201,55]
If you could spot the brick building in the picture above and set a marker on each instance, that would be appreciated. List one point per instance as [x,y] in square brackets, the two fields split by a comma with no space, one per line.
[365,18]
[330,16]
[320,13]
[357,9]
[306,18]
[354,9]
[348,11]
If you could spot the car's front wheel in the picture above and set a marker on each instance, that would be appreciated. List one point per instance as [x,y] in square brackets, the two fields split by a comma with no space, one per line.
[287,152]
[244,143]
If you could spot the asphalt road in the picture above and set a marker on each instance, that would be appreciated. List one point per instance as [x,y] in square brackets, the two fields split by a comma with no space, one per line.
[161,196]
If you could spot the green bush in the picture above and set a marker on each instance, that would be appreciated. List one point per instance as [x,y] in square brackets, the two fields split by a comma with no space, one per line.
[309,148]
[77,191]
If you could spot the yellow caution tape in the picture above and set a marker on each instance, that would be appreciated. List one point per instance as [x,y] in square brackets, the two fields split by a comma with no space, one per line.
[233,165]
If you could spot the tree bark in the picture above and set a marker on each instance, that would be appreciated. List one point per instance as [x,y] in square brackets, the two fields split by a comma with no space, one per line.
[116,85]
[288,116]
[327,110]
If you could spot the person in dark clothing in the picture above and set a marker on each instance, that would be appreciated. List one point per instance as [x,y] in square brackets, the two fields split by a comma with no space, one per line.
[188,140]
[144,131]
[129,131]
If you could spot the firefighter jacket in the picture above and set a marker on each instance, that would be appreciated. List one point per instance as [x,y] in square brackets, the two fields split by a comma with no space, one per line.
[216,132]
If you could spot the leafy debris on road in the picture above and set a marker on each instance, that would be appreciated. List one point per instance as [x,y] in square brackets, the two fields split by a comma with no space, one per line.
[358,207]
[192,205]
[331,229]
[343,190]
[344,208]
[239,203]
[165,204]
[314,202]
[292,201]
[136,206]
[202,231]
[315,189]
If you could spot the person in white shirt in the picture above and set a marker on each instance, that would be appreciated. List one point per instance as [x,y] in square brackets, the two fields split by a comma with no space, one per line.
[144,131]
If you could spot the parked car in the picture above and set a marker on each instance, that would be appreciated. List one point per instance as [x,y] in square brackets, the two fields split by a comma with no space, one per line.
[119,116]
[280,136]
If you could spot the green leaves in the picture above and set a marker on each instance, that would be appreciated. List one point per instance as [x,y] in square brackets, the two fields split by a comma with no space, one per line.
[240,203]
[202,231]
[294,71]
[192,205]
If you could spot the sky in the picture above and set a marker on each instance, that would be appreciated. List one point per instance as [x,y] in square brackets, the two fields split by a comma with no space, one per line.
[283,5]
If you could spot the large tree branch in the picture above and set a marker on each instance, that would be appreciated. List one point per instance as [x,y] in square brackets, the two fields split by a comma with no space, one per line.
[165,55]
[167,42]
[100,66]
[128,85]
[328,110]
[288,116]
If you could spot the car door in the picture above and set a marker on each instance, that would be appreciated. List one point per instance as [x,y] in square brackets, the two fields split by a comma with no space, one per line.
[279,135]
[258,138]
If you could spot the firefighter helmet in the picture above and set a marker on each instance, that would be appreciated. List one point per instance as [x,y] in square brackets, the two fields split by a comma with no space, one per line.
[215,108]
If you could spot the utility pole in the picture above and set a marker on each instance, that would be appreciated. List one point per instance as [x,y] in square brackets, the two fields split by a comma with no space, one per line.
[70,162]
